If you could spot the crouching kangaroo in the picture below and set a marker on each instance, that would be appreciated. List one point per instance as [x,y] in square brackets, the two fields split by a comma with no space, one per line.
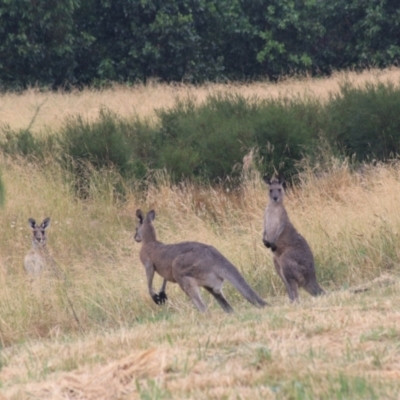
[38,258]
[191,265]
[292,256]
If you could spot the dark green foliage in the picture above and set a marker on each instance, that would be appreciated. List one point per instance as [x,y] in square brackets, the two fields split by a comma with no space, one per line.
[96,146]
[210,140]
[286,131]
[205,141]
[21,143]
[37,42]
[358,33]
[289,31]
[59,43]
[365,121]
[103,143]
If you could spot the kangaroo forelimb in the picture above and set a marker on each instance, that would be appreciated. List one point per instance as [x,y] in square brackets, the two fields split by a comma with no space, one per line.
[162,297]
[266,243]
[270,245]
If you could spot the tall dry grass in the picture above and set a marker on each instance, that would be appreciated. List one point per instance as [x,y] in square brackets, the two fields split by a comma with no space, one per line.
[350,221]
[44,111]
[98,329]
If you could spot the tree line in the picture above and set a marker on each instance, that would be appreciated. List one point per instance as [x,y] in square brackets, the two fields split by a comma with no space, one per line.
[74,43]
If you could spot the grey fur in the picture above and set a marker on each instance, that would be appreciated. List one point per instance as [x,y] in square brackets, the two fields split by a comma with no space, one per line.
[292,256]
[38,258]
[191,265]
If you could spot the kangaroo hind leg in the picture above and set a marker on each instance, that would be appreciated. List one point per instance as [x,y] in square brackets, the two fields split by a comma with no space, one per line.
[217,293]
[292,288]
[290,283]
[313,288]
[191,288]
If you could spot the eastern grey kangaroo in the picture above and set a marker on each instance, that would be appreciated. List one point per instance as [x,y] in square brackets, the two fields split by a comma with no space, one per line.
[38,259]
[191,265]
[293,259]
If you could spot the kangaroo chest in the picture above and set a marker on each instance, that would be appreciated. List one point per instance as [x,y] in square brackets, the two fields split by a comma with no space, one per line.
[273,224]
[35,262]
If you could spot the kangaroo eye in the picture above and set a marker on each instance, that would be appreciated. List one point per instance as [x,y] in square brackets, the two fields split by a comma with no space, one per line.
[279,190]
[270,190]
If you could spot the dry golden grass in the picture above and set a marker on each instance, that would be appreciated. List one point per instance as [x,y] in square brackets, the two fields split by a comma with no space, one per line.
[341,346]
[41,109]
[98,335]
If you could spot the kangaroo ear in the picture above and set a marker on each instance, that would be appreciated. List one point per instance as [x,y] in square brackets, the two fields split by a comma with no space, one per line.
[151,215]
[282,181]
[139,215]
[32,223]
[267,179]
[45,223]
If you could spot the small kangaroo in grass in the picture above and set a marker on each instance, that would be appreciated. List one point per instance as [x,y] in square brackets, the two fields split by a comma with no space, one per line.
[293,259]
[191,265]
[38,259]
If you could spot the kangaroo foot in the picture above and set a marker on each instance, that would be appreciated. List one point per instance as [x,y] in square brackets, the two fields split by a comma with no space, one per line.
[159,298]
[162,297]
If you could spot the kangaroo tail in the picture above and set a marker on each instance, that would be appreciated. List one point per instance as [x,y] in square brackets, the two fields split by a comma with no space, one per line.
[232,275]
[314,289]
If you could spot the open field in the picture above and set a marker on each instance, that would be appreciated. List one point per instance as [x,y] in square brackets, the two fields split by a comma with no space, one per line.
[344,346]
[98,335]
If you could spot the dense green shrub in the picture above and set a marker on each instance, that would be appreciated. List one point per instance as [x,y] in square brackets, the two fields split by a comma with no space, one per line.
[210,140]
[103,143]
[365,121]
[22,143]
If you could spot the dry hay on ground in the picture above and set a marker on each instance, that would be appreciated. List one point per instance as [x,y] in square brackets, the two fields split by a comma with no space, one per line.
[380,281]
[113,381]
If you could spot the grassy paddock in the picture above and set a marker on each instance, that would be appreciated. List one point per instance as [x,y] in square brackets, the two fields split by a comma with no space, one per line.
[59,334]
[97,334]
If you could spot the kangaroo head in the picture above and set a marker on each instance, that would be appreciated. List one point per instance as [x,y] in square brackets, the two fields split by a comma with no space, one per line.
[276,188]
[39,238]
[145,229]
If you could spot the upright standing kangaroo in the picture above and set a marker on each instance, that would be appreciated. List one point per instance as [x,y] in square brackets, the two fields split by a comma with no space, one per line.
[293,259]
[191,265]
[38,258]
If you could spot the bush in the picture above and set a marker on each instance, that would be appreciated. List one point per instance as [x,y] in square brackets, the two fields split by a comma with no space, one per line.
[103,143]
[207,142]
[22,143]
[210,140]
[365,121]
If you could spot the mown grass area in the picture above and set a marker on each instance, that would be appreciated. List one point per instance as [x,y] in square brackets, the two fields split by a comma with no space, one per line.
[97,333]
[341,346]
